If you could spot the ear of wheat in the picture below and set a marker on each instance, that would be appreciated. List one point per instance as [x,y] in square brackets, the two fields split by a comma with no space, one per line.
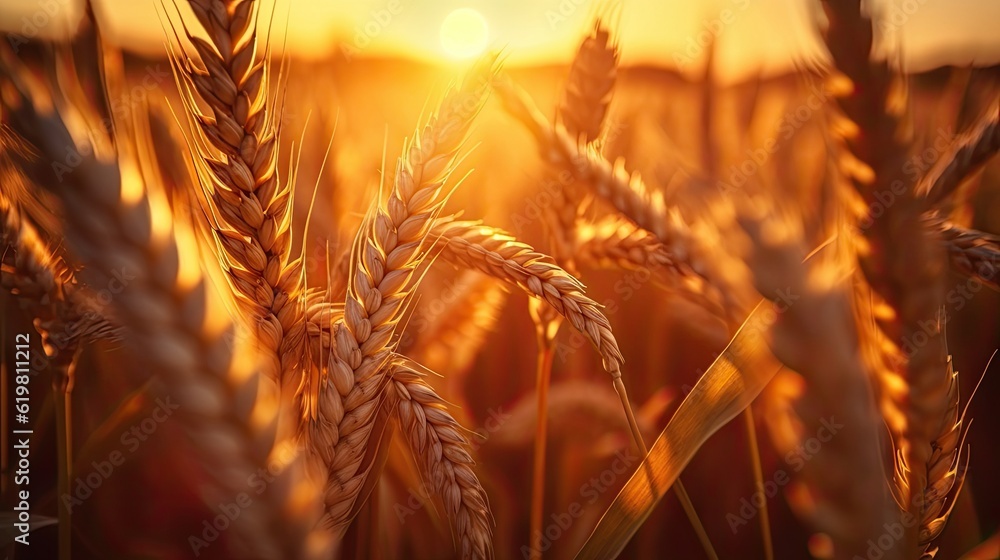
[946,472]
[439,446]
[46,286]
[581,113]
[339,417]
[626,192]
[498,254]
[972,253]
[591,80]
[249,204]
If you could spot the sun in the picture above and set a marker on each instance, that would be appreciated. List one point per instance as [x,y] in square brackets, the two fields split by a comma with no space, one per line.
[464,33]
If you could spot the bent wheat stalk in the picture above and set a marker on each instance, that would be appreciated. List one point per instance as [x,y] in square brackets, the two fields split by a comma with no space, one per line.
[585,102]
[617,244]
[626,192]
[494,252]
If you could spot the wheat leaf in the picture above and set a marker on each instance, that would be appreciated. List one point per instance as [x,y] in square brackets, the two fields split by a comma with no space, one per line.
[732,382]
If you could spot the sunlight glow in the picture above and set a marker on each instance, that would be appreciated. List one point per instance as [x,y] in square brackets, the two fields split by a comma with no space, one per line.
[464,33]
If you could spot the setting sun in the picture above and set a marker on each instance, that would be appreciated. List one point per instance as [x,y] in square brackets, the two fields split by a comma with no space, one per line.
[464,33]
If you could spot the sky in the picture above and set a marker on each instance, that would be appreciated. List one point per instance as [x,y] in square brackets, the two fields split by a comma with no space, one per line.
[753,36]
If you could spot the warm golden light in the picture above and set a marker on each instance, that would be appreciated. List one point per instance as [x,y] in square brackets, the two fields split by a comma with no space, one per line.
[464,33]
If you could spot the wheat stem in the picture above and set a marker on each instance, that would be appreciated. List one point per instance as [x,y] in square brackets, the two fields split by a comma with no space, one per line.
[63,391]
[543,379]
[758,481]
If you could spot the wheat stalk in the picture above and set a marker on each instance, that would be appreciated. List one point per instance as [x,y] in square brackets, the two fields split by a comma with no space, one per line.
[497,254]
[585,101]
[387,250]
[900,259]
[250,206]
[814,334]
[438,445]
[115,227]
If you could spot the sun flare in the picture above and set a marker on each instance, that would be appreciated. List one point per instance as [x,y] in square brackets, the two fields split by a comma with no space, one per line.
[464,33]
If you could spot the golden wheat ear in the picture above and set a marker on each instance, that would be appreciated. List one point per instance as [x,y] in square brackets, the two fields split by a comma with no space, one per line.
[64,314]
[248,204]
[119,225]
[972,253]
[590,84]
[946,472]
[388,249]
[442,452]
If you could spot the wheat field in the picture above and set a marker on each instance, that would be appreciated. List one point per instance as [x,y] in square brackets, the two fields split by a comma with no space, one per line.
[260,305]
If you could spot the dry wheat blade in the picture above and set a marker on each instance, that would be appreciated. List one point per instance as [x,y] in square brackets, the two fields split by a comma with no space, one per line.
[732,382]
